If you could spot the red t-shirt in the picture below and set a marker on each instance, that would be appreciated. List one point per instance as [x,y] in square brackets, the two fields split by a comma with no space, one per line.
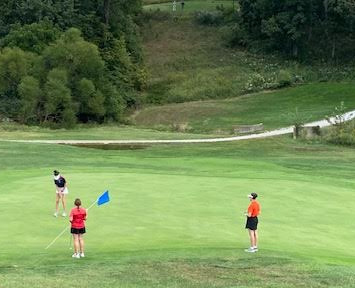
[254,208]
[77,217]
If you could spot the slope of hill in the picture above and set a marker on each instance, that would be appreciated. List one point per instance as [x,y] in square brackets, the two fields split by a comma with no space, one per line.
[188,62]
[274,109]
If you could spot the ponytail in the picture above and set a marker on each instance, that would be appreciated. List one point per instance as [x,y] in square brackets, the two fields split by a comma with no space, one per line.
[77,203]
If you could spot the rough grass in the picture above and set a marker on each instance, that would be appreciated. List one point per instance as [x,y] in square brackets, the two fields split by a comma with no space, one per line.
[189,62]
[176,215]
[147,2]
[189,7]
[223,271]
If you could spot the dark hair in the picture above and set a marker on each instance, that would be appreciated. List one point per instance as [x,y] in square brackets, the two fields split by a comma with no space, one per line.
[55,172]
[254,195]
[77,202]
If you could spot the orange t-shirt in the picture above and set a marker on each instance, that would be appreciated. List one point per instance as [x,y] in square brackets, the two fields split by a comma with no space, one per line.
[254,208]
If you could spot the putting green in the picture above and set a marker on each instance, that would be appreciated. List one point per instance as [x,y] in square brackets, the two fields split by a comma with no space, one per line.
[179,201]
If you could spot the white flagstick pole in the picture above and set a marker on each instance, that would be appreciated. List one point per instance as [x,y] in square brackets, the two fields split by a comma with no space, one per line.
[92,204]
[61,233]
[57,237]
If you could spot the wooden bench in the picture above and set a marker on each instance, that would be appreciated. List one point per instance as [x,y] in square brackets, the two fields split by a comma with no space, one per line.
[244,129]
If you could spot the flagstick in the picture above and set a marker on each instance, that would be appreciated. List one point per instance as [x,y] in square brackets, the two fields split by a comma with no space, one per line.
[57,237]
[92,204]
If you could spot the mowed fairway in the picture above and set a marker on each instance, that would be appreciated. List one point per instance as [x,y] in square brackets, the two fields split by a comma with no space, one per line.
[274,109]
[176,215]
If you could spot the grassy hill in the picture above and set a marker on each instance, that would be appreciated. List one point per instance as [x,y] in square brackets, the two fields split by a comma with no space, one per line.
[189,62]
[274,109]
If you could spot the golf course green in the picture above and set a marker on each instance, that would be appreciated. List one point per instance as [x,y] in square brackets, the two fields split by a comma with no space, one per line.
[114,81]
[175,218]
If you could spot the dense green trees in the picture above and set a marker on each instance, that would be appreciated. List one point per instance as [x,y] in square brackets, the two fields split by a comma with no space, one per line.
[63,84]
[315,28]
[55,74]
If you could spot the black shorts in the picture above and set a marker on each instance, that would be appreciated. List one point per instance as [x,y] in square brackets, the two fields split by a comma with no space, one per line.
[252,223]
[77,230]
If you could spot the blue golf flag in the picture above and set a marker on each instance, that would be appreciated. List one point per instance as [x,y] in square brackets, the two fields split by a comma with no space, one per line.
[104,198]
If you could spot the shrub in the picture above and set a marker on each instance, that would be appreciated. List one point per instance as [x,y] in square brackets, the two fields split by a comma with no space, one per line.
[344,136]
[341,132]
[256,82]
[284,79]
[234,35]
[180,127]
[208,18]
[157,15]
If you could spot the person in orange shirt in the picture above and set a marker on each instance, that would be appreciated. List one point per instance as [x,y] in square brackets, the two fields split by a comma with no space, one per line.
[252,222]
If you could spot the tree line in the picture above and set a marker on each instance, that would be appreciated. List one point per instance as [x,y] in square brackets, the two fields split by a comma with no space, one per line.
[302,29]
[68,61]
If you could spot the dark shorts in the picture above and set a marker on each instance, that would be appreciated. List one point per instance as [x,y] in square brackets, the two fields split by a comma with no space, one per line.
[77,230]
[252,223]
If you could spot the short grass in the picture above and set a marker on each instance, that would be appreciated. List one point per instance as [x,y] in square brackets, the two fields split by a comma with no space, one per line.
[13,131]
[176,215]
[189,7]
[275,109]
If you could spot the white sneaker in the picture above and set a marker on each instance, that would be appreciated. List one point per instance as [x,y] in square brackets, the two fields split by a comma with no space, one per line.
[76,255]
[82,255]
[255,249]
[55,214]
[250,250]
[64,214]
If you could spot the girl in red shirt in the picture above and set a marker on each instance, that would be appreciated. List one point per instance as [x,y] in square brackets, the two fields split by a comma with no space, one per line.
[77,218]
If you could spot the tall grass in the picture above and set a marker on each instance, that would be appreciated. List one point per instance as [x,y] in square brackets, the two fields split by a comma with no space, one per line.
[149,2]
[188,62]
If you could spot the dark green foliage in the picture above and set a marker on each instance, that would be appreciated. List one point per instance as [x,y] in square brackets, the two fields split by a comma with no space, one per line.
[65,84]
[14,65]
[30,37]
[209,17]
[30,94]
[83,75]
[79,57]
[300,29]
[114,101]
[58,106]
[91,100]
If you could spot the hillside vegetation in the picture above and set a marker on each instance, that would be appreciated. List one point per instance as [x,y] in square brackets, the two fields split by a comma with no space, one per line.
[190,6]
[188,62]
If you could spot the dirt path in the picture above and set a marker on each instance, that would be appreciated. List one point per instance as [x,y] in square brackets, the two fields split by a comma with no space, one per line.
[282,131]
